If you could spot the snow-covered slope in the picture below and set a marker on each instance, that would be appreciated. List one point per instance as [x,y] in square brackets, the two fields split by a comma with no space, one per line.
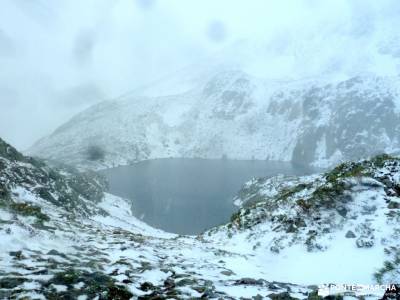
[236,115]
[342,226]
[62,237]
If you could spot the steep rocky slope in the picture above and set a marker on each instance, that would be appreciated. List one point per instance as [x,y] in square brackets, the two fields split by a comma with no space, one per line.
[233,114]
[341,226]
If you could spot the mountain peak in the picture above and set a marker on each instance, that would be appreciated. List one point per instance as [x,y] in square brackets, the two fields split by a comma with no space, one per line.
[231,113]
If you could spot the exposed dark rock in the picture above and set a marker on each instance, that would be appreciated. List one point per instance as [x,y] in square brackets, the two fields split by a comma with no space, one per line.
[274,249]
[169,283]
[342,211]
[396,188]
[281,296]
[11,282]
[147,286]
[16,254]
[249,281]
[394,205]
[227,273]
[209,294]
[116,292]
[364,243]
[186,282]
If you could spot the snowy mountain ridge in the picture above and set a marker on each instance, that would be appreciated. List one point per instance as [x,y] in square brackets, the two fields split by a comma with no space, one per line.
[234,115]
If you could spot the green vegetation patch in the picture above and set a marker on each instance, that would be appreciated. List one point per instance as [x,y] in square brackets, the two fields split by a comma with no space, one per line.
[28,209]
[327,195]
[347,170]
[289,192]
[380,160]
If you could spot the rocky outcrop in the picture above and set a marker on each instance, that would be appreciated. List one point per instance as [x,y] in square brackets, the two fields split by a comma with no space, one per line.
[348,208]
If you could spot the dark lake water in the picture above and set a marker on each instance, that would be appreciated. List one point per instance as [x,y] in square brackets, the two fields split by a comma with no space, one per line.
[188,196]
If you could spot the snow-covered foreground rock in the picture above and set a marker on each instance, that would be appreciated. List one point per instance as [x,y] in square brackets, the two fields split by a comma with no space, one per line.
[62,237]
[230,113]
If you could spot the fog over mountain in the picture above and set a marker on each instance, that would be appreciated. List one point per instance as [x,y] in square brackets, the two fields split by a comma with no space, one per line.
[58,58]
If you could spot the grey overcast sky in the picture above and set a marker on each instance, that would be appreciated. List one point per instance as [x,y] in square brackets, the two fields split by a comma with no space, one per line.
[59,57]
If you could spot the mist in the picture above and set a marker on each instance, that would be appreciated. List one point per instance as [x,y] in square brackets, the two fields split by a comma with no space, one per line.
[199,149]
[58,58]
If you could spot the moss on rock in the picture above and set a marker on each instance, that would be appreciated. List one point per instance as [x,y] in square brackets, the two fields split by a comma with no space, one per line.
[28,209]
